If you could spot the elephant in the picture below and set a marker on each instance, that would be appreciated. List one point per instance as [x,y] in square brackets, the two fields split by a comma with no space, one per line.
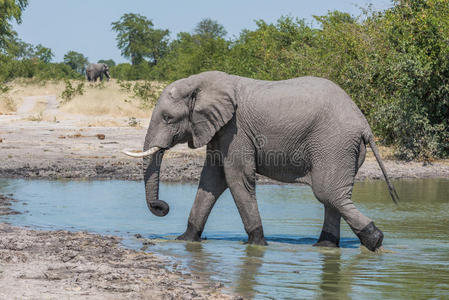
[93,71]
[304,129]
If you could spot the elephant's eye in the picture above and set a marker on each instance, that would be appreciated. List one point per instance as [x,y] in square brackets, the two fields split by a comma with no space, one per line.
[167,118]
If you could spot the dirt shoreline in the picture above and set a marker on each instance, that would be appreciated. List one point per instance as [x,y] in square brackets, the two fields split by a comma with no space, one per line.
[186,169]
[79,265]
[48,150]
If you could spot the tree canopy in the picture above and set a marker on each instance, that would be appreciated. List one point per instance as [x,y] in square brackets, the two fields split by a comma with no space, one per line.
[138,39]
[76,61]
[209,28]
[9,10]
[109,62]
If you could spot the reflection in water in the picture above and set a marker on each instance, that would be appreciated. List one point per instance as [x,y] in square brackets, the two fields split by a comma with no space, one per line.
[289,268]
[336,280]
[199,261]
[250,264]
[203,266]
[330,275]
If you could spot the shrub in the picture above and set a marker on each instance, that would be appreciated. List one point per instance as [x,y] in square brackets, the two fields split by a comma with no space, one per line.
[70,92]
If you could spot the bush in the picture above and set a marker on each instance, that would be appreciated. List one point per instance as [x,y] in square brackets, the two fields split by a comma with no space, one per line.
[131,72]
[34,68]
[70,92]
[146,92]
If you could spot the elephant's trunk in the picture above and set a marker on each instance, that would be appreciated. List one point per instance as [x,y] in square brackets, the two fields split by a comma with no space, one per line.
[151,169]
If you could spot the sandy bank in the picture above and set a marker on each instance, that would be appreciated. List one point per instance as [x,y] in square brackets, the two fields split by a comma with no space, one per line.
[80,265]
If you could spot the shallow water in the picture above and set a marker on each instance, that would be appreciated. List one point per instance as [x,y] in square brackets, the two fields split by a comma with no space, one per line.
[416,235]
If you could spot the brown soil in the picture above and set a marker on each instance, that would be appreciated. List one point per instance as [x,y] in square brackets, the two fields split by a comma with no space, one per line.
[80,265]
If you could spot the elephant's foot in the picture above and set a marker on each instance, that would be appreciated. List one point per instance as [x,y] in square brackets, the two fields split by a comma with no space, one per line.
[371,237]
[256,237]
[327,239]
[191,234]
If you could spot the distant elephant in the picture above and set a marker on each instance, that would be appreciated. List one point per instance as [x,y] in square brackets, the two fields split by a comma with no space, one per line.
[304,129]
[93,71]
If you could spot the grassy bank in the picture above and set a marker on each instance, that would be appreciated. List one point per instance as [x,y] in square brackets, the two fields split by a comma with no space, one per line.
[112,99]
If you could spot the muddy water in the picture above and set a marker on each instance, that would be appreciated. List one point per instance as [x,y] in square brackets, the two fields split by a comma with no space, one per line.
[416,264]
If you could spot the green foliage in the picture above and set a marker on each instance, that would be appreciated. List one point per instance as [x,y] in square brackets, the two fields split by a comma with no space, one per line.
[208,28]
[127,71]
[98,85]
[189,54]
[137,39]
[9,10]
[76,61]
[146,91]
[34,68]
[273,51]
[42,53]
[109,62]
[415,71]
[70,92]
[21,50]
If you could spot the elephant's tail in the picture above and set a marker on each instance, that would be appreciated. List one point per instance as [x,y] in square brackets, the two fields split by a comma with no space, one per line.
[369,139]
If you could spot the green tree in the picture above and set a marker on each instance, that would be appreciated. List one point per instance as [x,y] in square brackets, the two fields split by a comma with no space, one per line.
[76,61]
[19,49]
[138,39]
[109,62]
[413,60]
[209,28]
[43,53]
[204,50]
[9,10]
[274,51]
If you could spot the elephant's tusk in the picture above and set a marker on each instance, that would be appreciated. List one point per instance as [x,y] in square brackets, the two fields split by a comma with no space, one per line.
[150,151]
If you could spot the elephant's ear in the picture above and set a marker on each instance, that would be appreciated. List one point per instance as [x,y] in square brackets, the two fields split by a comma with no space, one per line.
[211,107]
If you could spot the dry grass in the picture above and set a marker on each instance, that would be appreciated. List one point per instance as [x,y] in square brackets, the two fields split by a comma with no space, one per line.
[109,100]
[7,104]
[20,88]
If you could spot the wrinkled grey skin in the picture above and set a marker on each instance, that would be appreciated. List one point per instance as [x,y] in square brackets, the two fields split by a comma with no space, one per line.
[299,130]
[93,71]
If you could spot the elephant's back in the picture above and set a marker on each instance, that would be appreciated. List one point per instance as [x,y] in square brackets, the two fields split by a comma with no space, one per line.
[301,101]
[297,93]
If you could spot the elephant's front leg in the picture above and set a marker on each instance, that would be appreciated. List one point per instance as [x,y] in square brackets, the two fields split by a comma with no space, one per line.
[330,234]
[212,185]
[241,178]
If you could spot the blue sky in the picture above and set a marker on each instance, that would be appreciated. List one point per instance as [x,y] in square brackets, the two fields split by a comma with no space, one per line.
[85,26]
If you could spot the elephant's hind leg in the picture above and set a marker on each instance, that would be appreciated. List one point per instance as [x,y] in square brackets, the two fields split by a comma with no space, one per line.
[333,187]
[330,234]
